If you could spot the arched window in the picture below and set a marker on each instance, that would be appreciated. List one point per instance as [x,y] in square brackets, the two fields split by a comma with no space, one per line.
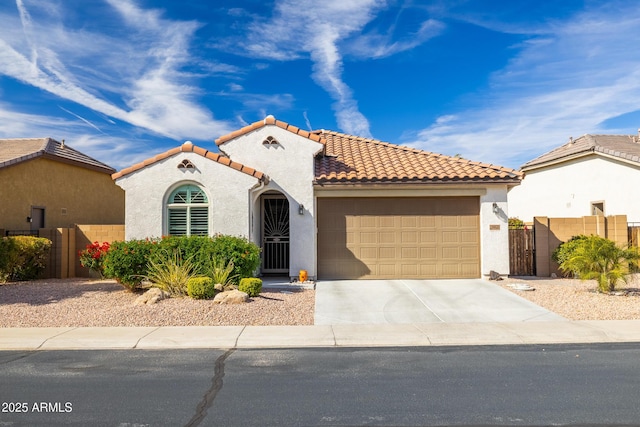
[188,212]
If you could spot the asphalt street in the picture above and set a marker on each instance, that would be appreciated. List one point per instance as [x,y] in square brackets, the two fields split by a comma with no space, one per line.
[407,386]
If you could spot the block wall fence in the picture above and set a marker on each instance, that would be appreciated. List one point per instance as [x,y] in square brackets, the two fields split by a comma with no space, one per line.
[551,232]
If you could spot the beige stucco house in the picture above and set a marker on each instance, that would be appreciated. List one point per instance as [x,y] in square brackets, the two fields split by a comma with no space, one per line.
[47,184]
[336,205]
[591,175]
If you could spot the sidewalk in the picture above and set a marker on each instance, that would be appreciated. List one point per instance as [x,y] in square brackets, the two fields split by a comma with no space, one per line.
[383,335]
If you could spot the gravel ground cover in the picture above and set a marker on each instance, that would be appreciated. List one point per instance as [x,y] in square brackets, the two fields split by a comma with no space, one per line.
[579,300]
[81,302]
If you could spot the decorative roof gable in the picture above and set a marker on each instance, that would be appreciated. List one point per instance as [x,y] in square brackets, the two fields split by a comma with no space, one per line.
[13,151]
[269,120]
[623,147]
[349,159]
[189,147]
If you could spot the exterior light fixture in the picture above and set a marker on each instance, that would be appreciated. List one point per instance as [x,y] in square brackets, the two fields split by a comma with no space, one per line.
[496,209]
[301,209]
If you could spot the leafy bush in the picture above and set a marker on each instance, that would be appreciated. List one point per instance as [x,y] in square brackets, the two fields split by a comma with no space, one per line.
[7,250]
[196,248]
[251,286]
[598,258]
[244,254]
[171,273]
[23,257]
[92,257]
[127,262]
[566,249]
[201,288]
[516,224]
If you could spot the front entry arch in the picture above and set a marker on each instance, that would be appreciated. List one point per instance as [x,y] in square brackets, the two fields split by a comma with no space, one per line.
[275,233]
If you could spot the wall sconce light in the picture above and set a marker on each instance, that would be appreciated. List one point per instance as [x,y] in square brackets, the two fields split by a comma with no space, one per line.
[496,209]
[28,219]
[301,209]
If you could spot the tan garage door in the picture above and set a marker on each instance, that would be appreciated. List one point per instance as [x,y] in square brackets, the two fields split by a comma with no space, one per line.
[426,237]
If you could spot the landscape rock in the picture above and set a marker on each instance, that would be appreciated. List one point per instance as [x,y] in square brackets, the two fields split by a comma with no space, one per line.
[152,296]
[231,297]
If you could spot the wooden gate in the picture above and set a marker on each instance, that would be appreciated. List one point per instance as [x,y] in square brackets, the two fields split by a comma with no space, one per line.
[521,252]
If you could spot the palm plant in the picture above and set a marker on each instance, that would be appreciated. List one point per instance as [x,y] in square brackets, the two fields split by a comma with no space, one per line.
[601,259]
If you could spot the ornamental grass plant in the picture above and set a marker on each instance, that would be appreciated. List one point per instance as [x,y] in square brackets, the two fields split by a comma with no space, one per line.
[171,273]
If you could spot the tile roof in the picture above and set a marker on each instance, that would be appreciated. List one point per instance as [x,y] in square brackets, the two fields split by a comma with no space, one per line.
[350,159]
[189,147]
[13,151]
[269,120]
[624,147]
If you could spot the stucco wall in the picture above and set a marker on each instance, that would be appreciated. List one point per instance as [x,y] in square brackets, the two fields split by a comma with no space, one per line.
[494,231]
[568,189]
[70,195]
[147,190]
[290,167]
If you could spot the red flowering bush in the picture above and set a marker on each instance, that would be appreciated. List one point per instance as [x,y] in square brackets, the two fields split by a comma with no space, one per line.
[93,256]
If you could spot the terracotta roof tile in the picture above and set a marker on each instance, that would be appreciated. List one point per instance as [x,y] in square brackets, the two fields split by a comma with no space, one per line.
[13,151]
[625,147]
[349,159]
[269,120]
[189,147]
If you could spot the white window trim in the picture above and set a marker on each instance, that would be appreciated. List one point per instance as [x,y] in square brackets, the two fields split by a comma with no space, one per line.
[187,206]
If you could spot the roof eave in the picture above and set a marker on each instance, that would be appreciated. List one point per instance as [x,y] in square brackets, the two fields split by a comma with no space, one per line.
[479,182]
[528,167]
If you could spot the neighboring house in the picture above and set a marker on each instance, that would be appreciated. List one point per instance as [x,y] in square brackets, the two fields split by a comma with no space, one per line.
[336,205]
[592,175]
[47,184]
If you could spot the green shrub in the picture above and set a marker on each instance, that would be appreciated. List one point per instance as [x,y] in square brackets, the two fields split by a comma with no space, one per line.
[23,257]
[251,286]
[127,261]
[516,224]
[7,251]
[566,249]
[171,273]
[244,254]
[201,288]
[197,248]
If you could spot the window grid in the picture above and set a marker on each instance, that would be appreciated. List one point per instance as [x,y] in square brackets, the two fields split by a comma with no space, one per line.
[188,212]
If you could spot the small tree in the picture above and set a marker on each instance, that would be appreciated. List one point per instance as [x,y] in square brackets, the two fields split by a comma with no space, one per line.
[601,259]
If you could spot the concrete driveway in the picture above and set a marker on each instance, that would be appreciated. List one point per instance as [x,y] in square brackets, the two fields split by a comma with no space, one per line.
[422,301]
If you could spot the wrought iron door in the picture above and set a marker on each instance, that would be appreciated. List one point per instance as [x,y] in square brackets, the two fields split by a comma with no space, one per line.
[275,234]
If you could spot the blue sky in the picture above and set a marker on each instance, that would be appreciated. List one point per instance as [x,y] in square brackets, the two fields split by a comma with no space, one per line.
[495,81]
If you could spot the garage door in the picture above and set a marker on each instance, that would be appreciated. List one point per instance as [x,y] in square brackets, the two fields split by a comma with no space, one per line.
[385,238]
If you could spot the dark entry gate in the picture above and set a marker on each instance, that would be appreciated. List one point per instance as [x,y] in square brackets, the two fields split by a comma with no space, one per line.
[521,252]
[275,234]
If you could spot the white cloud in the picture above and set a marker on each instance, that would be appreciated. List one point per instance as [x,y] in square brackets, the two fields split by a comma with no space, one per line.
[377,45]
[136,78]
[305,27]
[564,82]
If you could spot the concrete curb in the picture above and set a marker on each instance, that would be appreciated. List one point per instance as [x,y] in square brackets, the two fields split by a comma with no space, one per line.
[378,335]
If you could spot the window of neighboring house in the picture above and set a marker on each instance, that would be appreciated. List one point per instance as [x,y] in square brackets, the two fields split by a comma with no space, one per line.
[188,212]
[597,208]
